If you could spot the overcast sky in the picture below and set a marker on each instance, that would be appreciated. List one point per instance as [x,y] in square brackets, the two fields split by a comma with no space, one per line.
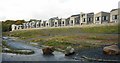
[45,9]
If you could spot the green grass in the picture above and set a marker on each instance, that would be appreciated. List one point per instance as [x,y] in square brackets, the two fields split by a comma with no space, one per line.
[78,41]
[26,34]
[58,44]
[102,29]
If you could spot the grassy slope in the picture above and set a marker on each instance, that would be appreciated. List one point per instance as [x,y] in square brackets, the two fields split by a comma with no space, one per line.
[76,37]
[58,31]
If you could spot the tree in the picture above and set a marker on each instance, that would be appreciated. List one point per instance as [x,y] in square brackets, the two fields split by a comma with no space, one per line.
[6,25]
[19,22]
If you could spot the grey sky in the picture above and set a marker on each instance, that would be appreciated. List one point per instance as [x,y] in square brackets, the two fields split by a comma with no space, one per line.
[45,9]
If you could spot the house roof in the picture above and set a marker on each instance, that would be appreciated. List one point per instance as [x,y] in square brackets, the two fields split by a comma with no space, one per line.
[102,12]
[54,18]
[75,15]
[113,10]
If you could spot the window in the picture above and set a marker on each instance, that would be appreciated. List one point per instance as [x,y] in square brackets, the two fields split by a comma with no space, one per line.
[89,19]
[63,22]
[42,24]
[71,21]
[47,24]
[82,15]
[55,22]
[77,21]
[97,18]
[84,20]
[115,16]
[105,18]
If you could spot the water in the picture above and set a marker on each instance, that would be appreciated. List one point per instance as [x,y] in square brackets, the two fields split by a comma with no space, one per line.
[96,53]
[38,56]
[58,56]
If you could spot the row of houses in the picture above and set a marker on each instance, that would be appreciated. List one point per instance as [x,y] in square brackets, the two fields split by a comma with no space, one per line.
[78,19]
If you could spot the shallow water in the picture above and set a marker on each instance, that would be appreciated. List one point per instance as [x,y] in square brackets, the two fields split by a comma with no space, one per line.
[58,56]
[38,56]
[96,53]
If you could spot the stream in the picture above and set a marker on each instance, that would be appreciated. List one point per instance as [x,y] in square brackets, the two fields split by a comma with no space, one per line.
[58,56]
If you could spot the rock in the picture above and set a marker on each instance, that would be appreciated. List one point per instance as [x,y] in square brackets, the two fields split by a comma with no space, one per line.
[48,50]
[69,51]
[111,50]
[4,38]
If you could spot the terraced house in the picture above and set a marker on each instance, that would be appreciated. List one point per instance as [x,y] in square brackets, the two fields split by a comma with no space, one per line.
[114,15]
[74,20]
[86,18]
[78,19]
[63,21]
[47,24]
[54,21]
[102,17]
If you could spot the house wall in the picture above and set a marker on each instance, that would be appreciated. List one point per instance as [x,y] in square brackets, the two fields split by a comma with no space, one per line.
[63,22]
[51,22]
[112,14]
[72,21]
[101,19]
[13,27]
[90,18]
[55,23]
[95,18]
[67,22]
[47,24]
[37,24]
[108,17]
[77,20]
[42,24]
[85,17]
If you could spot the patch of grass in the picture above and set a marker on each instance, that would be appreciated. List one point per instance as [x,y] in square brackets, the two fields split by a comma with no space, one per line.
[102,29]
[57,44]
[18,51]
[97,38]
[78,41]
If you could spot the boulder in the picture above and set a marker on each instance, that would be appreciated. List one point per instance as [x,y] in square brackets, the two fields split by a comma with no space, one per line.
[48,50]
[111,50]
[69,51]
